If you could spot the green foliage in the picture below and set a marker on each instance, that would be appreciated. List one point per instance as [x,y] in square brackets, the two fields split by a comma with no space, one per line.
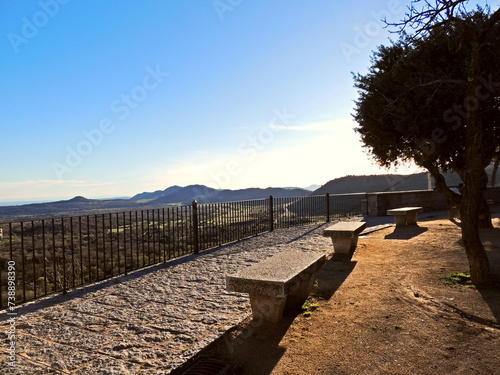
[411,105]
[308,307]
[456,278]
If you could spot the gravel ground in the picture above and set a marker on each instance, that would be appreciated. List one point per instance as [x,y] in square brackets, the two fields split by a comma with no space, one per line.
[149,322]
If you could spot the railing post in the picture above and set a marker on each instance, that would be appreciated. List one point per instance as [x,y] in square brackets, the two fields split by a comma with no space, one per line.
[271,213]
[327,207]
[195,227]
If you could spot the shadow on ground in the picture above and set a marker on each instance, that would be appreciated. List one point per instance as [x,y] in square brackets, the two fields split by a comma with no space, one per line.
[491,294]
[332,275]
[255,342]
[406,232]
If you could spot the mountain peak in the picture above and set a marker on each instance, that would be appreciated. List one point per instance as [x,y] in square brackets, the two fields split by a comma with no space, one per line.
[78,198]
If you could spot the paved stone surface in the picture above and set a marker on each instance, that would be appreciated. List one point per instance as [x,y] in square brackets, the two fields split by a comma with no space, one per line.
[149,322]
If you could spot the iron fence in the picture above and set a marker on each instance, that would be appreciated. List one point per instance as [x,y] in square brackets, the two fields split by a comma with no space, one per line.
[46,256]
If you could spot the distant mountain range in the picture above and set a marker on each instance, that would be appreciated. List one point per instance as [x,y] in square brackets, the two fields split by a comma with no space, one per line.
[177,195]
[174,195]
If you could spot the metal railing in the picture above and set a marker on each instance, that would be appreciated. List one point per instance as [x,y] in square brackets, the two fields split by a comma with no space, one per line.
[46,256]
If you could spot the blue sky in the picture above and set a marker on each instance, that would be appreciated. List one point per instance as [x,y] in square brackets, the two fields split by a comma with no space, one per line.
[112,98]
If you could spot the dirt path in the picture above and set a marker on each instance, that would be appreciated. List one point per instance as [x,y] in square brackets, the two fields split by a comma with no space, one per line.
[387,310]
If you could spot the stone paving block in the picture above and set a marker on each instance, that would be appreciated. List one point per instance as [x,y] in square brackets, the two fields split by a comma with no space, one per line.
[128,314]
[112,299]
[91,307]
[22,366]
[142,333]
[57,355]
[69,335]
[158,309]
[178,326]
[151,287]
[25,343]
[210,318]
[129,297]
[104,365]
[135,351]
[77,319]
[175,300]
[232,309]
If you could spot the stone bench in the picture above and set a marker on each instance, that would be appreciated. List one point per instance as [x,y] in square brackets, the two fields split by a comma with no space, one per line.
[405,215]
[278,283]
[344,235]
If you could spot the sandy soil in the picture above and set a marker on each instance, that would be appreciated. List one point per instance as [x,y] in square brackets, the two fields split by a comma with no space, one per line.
[387,310]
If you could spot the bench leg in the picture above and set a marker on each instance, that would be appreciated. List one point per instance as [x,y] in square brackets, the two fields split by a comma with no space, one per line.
[411,218]
[300,292]
[344,245]
[400,220]
[267,308]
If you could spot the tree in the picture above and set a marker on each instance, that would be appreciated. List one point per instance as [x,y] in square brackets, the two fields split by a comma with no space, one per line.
[495,168]
[433,98]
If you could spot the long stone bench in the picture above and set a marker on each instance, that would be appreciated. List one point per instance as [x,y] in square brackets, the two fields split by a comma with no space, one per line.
[278,283]
[405,215]
[344,235]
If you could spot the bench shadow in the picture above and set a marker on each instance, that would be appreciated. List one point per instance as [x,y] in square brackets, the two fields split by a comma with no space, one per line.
[331,276]
[406,232]
[255,341]
[253,346]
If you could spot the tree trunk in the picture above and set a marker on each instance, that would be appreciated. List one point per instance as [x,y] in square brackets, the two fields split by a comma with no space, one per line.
[495,169]
[475,180]
[478,259]
[452,198]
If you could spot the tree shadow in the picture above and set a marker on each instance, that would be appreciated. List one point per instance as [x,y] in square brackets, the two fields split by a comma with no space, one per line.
[406,232]
[491,293]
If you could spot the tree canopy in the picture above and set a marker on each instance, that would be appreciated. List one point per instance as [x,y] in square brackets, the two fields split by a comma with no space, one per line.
[413,102]
[433,98]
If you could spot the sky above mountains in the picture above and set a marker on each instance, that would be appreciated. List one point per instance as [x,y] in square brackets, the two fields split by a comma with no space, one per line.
[112,98]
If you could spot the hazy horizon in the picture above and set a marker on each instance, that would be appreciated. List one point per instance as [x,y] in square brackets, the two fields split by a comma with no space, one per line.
[13,202]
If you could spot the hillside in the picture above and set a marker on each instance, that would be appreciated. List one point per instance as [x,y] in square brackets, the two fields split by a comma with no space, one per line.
[204,194]
[380,183]
[156,194]
[173,195]
[375,183]
[75,206]
[388,182]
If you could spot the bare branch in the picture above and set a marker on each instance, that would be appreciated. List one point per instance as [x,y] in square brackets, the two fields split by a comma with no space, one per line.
[429,16]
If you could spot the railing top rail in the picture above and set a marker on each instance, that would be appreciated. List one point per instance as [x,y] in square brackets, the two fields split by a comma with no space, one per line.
[263,200]
[341,195]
